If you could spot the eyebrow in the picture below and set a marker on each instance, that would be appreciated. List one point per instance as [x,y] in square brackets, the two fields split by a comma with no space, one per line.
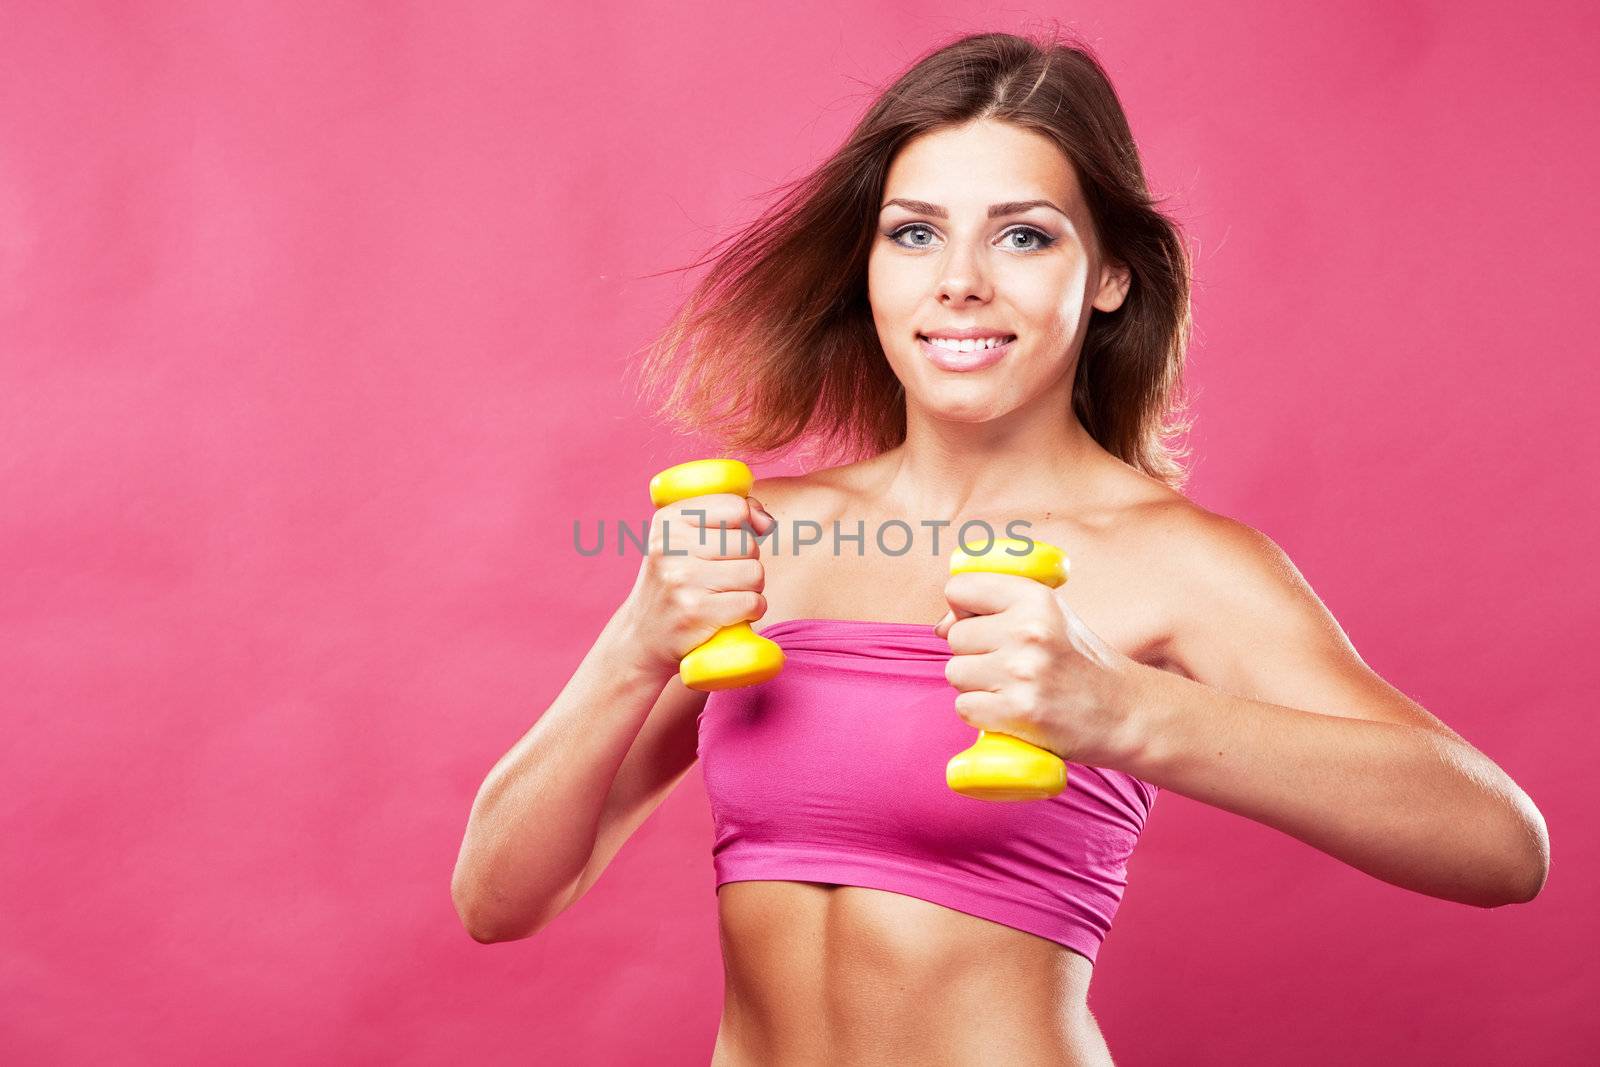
[1010,207]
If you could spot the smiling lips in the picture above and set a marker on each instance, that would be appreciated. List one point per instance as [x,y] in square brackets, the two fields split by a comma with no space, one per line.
[954,359]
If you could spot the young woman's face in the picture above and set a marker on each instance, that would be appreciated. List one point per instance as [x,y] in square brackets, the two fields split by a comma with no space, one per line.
[945,264]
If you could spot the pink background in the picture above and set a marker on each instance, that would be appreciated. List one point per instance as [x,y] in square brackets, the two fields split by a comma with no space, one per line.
[313,324]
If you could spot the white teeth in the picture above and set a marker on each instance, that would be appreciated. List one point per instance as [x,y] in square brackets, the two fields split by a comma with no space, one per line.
[965,346]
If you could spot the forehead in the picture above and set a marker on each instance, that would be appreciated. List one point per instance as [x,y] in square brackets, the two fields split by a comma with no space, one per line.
[967,168]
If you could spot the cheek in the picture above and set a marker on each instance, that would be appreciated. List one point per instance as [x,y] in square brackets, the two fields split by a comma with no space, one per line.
[1045,296]
[892,292]
[1055,319]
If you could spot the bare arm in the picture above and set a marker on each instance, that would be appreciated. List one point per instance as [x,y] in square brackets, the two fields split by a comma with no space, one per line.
[1284,723]
[622,733]
[537,817]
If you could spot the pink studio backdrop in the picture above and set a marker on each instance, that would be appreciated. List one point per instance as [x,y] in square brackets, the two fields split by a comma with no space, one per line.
[312,329]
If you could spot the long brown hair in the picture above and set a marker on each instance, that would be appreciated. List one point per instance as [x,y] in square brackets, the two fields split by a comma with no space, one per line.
[777,342]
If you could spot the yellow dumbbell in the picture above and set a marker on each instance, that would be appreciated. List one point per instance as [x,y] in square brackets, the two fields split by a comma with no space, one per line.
[999,766]
[735,655]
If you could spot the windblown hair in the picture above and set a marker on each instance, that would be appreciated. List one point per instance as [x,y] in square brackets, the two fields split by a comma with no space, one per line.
[777,342]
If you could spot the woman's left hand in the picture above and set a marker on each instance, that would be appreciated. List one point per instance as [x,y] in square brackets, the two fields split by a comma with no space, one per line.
[1028,666]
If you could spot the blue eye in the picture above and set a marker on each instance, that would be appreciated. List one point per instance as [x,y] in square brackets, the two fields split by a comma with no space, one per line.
[1042,240]
[895,236]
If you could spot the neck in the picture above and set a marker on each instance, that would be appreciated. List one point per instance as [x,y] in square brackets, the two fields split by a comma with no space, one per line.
[1030,458]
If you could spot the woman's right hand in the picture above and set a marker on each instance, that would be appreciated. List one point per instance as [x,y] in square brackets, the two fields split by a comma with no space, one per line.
[713,577]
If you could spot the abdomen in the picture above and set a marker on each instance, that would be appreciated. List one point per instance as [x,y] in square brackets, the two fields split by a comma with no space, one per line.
[817,972]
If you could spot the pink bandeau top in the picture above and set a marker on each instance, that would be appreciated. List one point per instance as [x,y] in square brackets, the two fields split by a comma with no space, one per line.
[834,772]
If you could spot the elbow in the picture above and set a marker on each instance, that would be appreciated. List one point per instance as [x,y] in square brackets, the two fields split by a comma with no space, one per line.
[487,935]
[1536,843]
[1534,885]
[489,918]
[481,934]
[477,925]
[485,925]
[477,928]
[1534,874]
[1532,860]
[485,928]
[1520,889]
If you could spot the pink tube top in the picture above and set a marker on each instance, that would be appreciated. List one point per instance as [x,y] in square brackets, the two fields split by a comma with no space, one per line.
[834,772]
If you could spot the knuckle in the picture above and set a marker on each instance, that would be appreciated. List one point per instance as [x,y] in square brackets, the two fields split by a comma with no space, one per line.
[1023,668]
[1027,704]
[1033,632]
[670,535]
[725,508]
[685,601]
[674,574]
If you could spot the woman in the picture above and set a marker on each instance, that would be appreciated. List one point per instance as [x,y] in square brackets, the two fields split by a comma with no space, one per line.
[869,914]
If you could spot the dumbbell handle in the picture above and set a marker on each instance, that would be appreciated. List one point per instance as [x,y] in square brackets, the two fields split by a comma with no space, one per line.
[735,655]
[998,766]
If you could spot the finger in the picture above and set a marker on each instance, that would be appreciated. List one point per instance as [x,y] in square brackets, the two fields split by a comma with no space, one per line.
[954,615]
[975,673]
[977,634]
[703,526]
[732,575]
[983,593]
[737,542]
[942,627]
[712,510]
[761,519]
[725,609]
[978,707]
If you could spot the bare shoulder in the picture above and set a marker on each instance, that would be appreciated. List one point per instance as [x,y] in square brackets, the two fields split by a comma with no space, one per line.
[1204,541]
[1149,521]
[1188,574]
[814,494]
[1219,553]
[1225,568]
[777,492]
[1251,624]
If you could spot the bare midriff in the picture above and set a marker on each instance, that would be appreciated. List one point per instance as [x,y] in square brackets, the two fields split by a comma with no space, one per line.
[833,974]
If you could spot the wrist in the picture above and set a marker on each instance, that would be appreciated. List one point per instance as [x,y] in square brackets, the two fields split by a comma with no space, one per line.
[1144,704]
[627,648]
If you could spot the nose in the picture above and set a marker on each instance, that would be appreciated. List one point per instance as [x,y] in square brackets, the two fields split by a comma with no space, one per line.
[962,277]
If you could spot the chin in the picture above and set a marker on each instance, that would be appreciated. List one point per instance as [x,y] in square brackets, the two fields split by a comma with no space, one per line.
[957,409]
